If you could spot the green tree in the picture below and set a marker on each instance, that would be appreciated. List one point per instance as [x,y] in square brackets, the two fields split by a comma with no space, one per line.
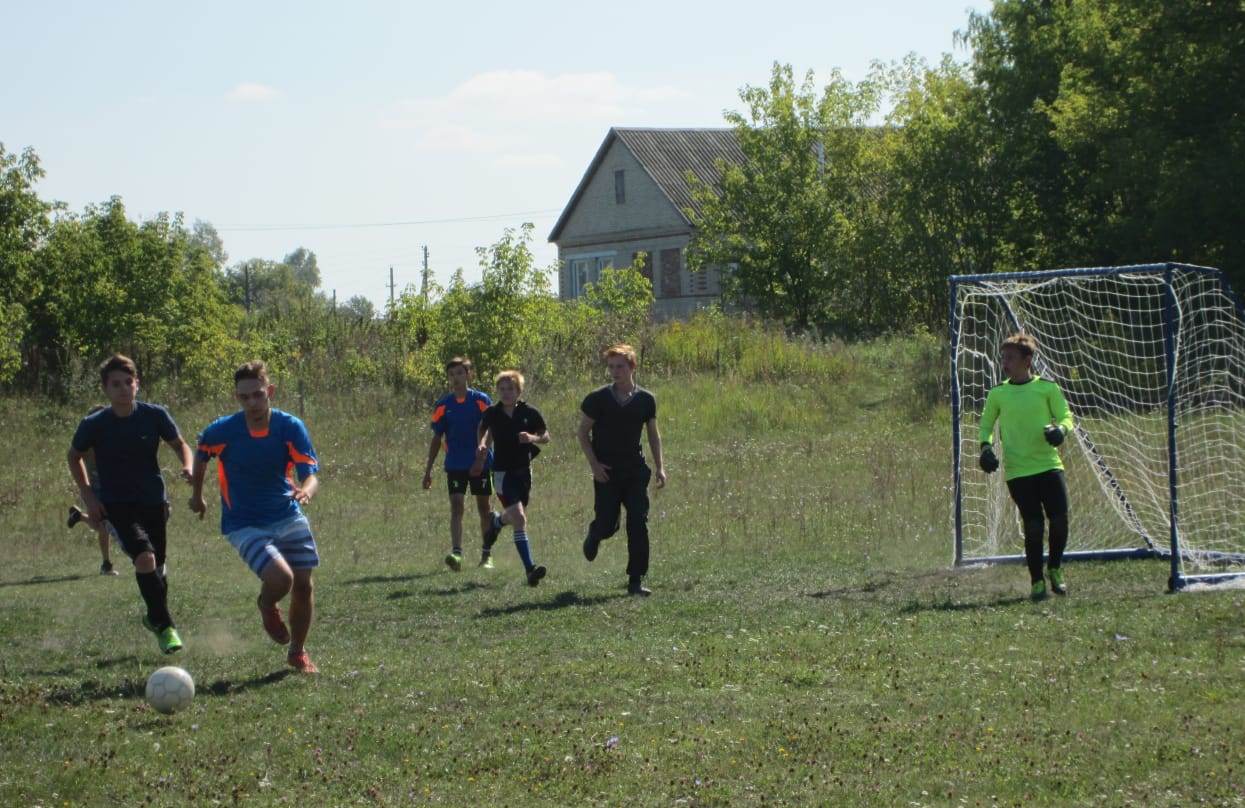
[786,221]
[25,221]
[1119,126]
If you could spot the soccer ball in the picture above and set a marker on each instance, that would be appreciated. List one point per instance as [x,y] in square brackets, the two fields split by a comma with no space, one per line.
[170,689]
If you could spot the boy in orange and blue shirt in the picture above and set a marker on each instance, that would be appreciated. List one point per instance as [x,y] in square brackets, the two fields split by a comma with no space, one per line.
[455,418]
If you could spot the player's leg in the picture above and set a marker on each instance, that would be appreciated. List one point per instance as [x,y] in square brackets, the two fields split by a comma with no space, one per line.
[255,547]
[1055,503]
[297,548]
[607,500]
[517,493]
[135,528]
[302,608]
[1026,492]
[457,505]
[636,502]
[495,521]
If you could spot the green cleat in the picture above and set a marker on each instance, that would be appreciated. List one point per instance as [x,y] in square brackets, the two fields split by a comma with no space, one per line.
[1056,581]
[170,641]
[486,562]
[454,561]
[1038,592]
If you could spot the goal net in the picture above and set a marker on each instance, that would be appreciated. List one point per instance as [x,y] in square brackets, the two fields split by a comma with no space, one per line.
[1151,360]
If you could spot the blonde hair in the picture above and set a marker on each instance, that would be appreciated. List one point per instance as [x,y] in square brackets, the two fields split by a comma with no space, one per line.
[1022,343]
[621,349]
[515,377]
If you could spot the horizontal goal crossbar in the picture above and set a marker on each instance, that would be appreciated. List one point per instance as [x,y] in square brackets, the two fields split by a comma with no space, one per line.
[1078,271]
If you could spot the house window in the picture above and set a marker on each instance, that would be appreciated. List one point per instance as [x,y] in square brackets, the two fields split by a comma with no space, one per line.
[671,273]
[620,187]
[586,269]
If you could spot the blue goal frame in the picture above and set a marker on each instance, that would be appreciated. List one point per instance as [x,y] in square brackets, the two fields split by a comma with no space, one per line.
[1178,579]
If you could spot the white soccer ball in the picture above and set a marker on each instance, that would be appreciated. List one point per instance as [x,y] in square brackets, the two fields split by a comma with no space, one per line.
[170,689]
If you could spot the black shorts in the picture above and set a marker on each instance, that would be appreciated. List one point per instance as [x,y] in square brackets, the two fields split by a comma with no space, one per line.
[513,486]
[139,528]
[459,482]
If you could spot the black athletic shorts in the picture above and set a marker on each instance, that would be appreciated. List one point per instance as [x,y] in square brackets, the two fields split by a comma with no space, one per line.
[459,482]
[139,528]
[513,486]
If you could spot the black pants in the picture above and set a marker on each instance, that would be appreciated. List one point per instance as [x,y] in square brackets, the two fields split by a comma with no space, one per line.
[626,488]
[1034,495]
[140,528]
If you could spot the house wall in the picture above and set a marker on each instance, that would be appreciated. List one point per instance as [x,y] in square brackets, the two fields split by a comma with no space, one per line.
[602,232]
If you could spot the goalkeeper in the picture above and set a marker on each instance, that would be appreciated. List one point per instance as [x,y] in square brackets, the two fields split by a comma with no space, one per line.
[1033,421]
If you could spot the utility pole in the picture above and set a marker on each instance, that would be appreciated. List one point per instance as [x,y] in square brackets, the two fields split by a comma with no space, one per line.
[391,287]
[246,282]
[423,283]
[334,302]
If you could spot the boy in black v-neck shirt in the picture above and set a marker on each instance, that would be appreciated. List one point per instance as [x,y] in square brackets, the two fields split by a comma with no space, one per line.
[609,434]
[124,439]
[516,429]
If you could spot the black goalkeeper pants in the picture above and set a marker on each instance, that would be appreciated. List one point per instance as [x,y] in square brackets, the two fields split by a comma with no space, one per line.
[1041,498]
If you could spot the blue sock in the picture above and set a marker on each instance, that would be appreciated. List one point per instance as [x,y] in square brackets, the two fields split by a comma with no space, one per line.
[525,552]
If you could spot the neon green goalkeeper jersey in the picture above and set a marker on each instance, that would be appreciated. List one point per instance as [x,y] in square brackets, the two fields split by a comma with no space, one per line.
[1023,412]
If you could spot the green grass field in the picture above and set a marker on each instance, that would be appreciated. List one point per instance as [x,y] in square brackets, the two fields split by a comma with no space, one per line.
[807,642]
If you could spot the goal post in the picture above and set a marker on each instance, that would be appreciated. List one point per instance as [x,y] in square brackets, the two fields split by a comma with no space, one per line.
[1151,359]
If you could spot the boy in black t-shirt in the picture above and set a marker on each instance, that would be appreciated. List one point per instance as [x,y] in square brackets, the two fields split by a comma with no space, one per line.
[609,434]
[516,430]
[125,438]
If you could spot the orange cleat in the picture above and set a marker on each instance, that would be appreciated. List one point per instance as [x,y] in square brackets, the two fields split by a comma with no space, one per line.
[302,663]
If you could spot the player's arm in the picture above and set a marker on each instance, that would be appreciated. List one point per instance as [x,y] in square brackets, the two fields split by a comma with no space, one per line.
[77,472]
[179,445]
[541,434]
[434,446]
[484,439]
[600,471]
[1061,418]
[198,471]
[654,446]
[306,489]
[989,415]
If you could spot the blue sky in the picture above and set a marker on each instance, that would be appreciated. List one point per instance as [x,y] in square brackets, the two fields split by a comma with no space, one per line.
[316,117]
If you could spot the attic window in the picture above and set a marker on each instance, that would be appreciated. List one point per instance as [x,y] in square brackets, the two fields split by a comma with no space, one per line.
[620,187]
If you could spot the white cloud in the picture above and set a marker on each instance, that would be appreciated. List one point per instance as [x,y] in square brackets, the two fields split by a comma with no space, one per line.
[482,113]
[249,92]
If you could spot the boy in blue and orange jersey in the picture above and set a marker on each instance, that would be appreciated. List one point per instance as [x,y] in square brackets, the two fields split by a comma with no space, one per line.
[1033,420]
[455,419]
[258,451]
[124,438]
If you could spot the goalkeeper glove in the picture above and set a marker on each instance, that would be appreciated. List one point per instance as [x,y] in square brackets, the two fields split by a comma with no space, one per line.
[1054,435]
[988,462]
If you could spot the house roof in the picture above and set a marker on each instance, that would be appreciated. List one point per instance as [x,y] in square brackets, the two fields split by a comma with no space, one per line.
[666,155]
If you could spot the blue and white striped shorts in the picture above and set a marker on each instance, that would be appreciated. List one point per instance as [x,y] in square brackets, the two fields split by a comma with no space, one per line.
[290,539]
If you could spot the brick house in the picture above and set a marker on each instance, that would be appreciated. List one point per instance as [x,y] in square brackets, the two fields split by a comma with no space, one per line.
[631,201]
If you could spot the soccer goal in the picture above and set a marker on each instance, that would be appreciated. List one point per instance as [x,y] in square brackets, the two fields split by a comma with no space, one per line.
[1151,360]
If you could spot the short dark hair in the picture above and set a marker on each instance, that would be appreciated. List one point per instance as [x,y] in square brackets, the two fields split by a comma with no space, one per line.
[117,362]
[255,369]
[1022,343]
[458,361]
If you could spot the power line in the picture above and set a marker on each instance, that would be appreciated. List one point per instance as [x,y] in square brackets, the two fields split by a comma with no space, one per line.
[264,228]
